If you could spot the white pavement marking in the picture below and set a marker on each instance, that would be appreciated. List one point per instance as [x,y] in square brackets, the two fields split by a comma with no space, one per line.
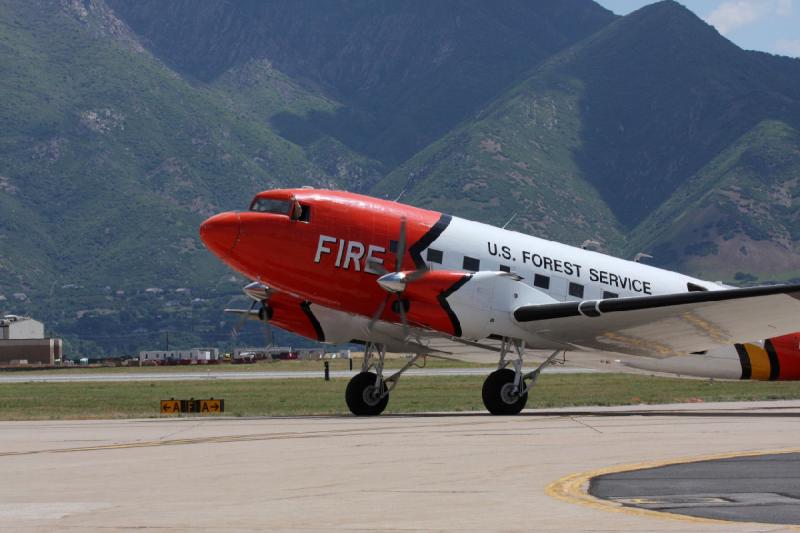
[32,376]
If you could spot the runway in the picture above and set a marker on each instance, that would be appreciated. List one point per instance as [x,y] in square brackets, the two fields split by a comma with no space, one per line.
[444,472]
[33,376]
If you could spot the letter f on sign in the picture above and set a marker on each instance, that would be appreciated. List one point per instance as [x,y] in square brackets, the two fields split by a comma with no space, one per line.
[321,248]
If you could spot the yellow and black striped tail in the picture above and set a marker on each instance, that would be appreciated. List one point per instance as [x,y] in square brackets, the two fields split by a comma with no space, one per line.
[777,359]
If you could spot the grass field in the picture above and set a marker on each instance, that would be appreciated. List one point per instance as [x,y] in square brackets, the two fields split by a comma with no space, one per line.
[38,401]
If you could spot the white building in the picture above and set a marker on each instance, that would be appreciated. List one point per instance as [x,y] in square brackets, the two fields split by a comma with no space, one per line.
[195,356]
[13,327]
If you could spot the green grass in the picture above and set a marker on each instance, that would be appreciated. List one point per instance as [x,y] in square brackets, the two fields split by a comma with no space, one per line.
[42,401]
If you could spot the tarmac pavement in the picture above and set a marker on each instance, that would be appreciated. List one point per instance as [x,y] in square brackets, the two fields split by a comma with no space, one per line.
[443,472]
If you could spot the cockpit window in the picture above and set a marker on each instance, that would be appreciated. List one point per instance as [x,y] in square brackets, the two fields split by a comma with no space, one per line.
[270,205]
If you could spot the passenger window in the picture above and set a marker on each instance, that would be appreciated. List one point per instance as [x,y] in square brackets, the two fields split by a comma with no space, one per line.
[470,263]
[543,282]
[435,256]
[607,295]
[270,205]
[505,268]
[576,290]
[305,213]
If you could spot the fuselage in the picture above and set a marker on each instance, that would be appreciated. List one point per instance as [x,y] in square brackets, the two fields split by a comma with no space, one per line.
[323,258]
[316,248]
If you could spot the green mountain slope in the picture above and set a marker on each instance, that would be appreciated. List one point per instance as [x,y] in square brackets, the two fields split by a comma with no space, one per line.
[406,71]
[665,93]
[739,216]
[262,93]
[616,124]
[517,157]
[108,163]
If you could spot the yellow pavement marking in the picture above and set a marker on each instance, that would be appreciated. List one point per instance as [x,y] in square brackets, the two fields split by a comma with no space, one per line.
[574,488]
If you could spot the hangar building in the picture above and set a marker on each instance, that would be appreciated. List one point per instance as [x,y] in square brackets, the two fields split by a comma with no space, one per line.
[22,341]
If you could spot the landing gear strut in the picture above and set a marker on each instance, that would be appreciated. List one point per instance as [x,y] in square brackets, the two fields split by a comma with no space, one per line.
[505,391]
[368,392]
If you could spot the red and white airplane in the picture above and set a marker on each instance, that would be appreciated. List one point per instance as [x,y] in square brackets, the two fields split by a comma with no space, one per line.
[340,267]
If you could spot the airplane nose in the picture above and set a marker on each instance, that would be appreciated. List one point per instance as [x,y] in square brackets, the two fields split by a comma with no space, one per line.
[220,233]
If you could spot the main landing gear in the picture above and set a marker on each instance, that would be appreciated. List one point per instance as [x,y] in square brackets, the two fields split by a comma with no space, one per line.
[368,392]
[505,391]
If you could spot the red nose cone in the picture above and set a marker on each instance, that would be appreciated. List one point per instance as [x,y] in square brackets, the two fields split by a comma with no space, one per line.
[220,233]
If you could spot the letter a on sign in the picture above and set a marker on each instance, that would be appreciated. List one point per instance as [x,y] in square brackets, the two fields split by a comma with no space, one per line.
[170,407]
[210,406]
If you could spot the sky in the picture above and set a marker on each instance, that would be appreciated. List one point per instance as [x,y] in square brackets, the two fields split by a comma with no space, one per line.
[767,25]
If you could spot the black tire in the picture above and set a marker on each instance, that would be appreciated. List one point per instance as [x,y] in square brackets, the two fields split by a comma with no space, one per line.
[357,395]
[495,400]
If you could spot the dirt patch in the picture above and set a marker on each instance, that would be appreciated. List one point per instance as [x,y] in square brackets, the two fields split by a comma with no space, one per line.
[491,146]
[7,186]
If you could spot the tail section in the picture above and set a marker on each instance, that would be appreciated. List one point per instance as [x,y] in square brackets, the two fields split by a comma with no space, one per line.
[775,359]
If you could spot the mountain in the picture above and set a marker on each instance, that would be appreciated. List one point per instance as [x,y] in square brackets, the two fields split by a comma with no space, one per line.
[737,218]
[614,130]
[109,160]
[405,71]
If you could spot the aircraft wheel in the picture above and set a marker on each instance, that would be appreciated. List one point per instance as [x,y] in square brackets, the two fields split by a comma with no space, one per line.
[363,397]
[498,394]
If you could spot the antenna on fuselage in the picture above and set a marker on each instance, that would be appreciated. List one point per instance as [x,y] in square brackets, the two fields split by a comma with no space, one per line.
[641,255]
[510,220]
[590,242]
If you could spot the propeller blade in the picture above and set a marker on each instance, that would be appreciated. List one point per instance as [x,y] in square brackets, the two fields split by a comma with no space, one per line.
[402,309]
[376,268]
[379,312]
[401,246]
[240,322]
[269,337]
[416,274]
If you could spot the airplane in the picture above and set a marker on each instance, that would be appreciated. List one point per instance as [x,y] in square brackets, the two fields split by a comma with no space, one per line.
[339,267]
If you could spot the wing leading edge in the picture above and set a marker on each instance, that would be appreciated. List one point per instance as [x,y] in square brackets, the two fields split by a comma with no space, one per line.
[668,325]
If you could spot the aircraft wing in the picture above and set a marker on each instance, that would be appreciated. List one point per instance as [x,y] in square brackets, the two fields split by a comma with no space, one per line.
[667,325]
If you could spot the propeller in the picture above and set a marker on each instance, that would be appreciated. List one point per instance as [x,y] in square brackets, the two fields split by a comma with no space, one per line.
[260,294]
[244,316]
[395,282]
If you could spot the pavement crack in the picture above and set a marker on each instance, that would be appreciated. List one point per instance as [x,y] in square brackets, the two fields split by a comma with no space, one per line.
[582,423]
[180,430]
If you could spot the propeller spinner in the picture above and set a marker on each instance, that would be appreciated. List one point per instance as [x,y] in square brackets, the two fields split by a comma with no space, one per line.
[395,283]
